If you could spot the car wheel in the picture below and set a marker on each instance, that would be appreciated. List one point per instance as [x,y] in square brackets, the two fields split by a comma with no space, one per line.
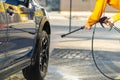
[39,69]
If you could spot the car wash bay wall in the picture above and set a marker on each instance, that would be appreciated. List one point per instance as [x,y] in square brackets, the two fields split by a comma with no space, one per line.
[81,5]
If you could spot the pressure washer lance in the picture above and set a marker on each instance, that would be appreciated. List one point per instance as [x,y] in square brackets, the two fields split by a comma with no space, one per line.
[101,21]
[82,27]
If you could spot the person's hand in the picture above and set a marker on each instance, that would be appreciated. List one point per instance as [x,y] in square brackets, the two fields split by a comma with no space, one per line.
[87,27]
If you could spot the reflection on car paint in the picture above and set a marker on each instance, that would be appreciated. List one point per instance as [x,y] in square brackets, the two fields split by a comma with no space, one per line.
[19,25]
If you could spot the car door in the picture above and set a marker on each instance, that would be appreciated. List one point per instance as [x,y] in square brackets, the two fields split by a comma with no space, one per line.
[21,30]
[3,34]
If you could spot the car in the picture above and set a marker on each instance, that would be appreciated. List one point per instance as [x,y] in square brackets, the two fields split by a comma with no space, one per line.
[24,39]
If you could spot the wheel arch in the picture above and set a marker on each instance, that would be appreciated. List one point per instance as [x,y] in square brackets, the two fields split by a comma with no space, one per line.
[45,25]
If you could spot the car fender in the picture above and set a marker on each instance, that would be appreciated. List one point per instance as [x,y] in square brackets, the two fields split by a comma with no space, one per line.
[44,24]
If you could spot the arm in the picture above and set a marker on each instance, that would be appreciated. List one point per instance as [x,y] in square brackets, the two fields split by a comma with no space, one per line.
[97,12]
[115,18]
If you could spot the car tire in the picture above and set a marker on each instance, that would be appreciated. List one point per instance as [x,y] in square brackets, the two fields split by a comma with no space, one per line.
[39,69]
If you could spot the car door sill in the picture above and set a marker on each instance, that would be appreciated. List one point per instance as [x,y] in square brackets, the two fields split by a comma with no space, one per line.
[14,68]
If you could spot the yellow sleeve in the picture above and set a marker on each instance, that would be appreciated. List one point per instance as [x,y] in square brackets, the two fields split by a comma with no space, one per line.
[116,17]
[97,12]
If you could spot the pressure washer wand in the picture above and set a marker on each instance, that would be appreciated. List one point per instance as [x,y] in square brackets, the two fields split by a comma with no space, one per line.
[22,30]
[82,27]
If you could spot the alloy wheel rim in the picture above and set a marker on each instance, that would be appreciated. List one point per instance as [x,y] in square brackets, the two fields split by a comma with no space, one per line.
[43,60]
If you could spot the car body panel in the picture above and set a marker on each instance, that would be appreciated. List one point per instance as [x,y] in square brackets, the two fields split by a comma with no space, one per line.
[3,35]
[18,33]
[20,41]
